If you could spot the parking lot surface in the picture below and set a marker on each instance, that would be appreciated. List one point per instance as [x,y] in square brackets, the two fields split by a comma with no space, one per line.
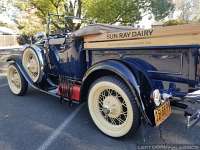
[38,121]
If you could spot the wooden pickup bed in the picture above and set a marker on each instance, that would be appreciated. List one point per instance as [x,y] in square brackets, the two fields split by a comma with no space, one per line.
[188,34]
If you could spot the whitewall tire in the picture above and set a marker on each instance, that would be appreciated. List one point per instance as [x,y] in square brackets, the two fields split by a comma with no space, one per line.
[112,107]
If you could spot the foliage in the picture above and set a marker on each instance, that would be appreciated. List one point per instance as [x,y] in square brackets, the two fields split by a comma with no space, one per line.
[10,26]
[174,22]
[2,24]
[129,11]
[24,39]
[44,7]
[161,8]
[103,11]
[109,11]
[30,24]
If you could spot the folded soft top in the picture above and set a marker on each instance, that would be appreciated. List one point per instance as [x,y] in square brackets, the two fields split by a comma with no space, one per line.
[99,29]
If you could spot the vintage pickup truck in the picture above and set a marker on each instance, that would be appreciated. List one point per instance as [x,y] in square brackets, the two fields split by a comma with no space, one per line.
[124,74]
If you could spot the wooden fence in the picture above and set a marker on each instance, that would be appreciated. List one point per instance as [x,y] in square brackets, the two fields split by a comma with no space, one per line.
[4,54]
[8,41]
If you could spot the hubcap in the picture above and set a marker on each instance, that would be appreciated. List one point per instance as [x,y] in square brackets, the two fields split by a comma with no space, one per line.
[113,105]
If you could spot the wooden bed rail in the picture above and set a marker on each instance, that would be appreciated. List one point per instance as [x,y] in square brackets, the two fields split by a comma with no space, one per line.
[188,34]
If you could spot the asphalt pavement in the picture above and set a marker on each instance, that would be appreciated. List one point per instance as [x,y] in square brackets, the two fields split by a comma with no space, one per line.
[38,121]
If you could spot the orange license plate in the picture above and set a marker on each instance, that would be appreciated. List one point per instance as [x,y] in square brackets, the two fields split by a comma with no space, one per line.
[162,113]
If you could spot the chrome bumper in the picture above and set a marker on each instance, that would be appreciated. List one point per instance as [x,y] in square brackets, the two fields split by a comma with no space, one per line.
[190,104]
[193,116]
[192,112]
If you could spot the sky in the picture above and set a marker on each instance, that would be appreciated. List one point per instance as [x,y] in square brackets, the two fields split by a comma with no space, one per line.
[146,21]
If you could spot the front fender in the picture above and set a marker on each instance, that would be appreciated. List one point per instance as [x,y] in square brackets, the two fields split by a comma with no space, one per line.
[121,70]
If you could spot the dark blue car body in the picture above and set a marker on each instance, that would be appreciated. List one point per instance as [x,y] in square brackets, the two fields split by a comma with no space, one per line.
[171,69]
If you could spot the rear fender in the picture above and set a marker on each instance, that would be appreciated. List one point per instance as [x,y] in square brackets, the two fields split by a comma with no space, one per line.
[147,85]
[114,67]
[141,66]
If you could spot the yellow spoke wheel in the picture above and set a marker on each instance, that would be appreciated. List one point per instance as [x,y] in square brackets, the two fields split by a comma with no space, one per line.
[113,107]
[17,84]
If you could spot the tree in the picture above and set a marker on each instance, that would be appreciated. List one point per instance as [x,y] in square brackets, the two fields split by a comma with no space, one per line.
[30,24]
[103,11]
[129,11]
[161,8]
[45,7]
[2,24]
[109,11]
[189,10]
[174,22]
[186,10]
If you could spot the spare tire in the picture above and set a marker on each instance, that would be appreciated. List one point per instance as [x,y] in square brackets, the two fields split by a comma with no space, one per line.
[32,64]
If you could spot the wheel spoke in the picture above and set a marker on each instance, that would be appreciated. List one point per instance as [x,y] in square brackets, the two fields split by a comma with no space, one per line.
[114,93]
[101,98]
[120,120]
[106,117]
[110,92]
[124,114]
[101,109]
[103,94]
[113,121]
[101,103]
[118,96]
[123,104]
